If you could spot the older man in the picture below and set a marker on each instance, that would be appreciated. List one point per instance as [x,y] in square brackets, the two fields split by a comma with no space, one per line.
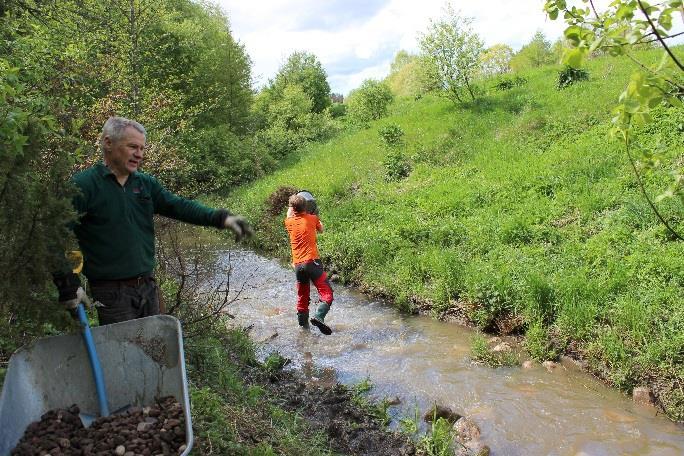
[115,230]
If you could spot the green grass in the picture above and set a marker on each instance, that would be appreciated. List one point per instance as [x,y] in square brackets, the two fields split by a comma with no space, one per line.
[482,353]
[232,417]
[518,207]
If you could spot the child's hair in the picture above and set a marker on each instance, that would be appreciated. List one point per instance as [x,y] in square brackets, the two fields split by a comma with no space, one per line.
[298,203]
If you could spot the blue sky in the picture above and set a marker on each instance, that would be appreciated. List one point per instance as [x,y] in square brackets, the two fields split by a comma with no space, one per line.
[357,39]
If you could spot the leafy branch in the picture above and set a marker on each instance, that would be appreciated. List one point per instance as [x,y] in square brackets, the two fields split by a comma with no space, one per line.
[619,30]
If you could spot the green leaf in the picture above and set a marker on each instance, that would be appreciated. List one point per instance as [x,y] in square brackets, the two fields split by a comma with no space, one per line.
[575,57]
[573,34]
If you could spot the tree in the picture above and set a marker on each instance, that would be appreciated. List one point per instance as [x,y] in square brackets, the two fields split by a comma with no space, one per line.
[411,75]
[401,59]
[496,60]
[621,29]
[304,69]
[453,49]
[534,54]
[369,102]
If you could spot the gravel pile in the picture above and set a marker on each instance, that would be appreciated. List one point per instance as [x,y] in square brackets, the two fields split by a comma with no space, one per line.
[148,431]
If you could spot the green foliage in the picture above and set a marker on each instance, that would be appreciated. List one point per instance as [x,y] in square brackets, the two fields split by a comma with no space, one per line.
[516,212]
[171,65]
[369,102]
[569,75]
[305,70]
[290,122]
[338,110]
[34,202]
[392,135]
[453,49]
[411,76]
[495,60]
[483,354]
[439,440]
[231,416]
[623,28]
[534,54]
[508,83]
[275,362]
[396,165]
[538,344]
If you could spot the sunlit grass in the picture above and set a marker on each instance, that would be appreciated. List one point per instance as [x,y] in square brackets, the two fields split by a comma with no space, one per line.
[518,207]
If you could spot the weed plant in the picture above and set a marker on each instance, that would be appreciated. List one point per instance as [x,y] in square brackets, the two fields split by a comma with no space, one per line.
[482,353]
[232,417]
[518,208]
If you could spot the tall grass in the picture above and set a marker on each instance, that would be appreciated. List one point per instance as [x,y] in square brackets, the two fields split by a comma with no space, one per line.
[518,208]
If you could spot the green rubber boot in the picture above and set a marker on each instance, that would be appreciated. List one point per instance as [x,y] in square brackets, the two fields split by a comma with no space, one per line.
[322,311]
[319,318]
[303,319]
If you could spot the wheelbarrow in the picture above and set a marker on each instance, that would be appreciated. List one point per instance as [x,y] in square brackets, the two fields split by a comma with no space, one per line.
[141,360]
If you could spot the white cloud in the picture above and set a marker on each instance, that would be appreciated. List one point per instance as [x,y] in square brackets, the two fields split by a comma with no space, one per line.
[354,44]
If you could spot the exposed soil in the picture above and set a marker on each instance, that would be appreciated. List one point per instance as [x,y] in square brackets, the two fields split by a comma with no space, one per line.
[149,431]
[351,429]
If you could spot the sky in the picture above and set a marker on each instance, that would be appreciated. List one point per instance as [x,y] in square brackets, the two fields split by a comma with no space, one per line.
[357,39]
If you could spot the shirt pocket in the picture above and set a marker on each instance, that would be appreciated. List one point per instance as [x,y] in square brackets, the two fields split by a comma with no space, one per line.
[143,201]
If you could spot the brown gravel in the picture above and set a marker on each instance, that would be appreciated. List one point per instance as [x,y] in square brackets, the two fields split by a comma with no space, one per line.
[150,431]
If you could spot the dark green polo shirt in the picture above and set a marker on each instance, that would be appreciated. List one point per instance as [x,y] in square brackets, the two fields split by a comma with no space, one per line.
[116,228]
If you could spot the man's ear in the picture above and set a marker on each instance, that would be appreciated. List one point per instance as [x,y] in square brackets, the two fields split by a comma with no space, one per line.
[107,143]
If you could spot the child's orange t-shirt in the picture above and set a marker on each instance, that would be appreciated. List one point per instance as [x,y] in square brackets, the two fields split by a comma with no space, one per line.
[302,229]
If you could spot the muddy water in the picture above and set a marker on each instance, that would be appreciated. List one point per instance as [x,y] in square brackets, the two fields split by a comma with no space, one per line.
[422,361]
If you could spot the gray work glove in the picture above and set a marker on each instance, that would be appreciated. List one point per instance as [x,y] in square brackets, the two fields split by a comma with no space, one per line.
[81,297]
[238,225]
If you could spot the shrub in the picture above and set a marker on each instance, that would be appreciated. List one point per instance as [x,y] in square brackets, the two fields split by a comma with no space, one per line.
[396,166]
[538,344]
[338,110]
[509,83]
[392,135]
[568,76]
[369,102]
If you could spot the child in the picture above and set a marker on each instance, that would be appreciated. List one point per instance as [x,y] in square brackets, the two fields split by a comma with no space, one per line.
[302,228]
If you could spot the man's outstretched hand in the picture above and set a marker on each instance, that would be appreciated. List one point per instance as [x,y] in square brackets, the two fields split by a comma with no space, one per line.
[239,226]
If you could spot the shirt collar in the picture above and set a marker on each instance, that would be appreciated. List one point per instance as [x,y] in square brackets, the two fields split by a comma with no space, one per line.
[103,171]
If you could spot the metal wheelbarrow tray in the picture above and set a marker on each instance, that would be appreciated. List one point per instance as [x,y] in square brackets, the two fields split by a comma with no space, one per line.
[141,360]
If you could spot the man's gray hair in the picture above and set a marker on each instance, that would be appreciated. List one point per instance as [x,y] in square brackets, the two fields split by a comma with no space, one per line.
[114,128]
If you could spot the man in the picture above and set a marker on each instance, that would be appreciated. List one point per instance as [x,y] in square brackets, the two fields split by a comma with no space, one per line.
[115,230]
[302,228]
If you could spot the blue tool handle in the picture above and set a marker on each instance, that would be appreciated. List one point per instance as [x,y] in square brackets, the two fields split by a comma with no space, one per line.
[94,361]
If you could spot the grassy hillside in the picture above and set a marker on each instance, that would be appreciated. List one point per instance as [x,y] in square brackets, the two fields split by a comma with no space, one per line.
[519,213]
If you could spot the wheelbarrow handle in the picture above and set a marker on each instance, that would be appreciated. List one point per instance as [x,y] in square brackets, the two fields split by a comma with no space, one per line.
[94,361]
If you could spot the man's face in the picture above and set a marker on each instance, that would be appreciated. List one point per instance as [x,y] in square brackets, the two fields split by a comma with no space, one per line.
[124,156]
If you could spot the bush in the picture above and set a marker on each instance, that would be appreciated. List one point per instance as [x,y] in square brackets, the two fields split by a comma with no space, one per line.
[568,76]
[338,110]
[509,83]
[392,135]
[369,102]
[396,166]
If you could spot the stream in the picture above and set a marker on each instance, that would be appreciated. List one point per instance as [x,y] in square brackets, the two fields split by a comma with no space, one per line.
[422,361]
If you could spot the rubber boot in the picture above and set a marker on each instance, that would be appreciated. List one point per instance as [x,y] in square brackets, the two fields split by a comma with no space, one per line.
[323,309]
[303,319]
[319,318]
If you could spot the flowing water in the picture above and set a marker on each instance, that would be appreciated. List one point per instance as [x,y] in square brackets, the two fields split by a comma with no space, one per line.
[422,361]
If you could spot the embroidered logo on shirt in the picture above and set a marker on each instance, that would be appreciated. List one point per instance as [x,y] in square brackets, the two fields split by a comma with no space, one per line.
[136,190]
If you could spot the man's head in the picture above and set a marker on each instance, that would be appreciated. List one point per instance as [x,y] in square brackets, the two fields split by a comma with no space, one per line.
[122,143]
[297,203]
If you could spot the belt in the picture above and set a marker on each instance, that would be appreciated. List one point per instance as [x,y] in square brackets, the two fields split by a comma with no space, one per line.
[130,282]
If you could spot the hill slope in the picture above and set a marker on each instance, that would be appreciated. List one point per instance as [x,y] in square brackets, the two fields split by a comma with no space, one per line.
[519,215]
